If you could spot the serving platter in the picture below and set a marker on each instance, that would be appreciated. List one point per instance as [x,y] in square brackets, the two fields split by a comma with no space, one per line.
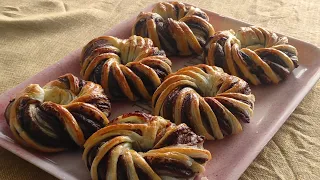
[231,156]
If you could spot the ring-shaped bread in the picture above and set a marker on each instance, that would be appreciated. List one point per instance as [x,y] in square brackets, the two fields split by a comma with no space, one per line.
[252,53]
[175,27]
[126,68]
[141,146]
[58,116]
[208,100]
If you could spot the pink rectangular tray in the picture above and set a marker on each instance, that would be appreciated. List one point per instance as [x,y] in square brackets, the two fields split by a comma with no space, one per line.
[231,156]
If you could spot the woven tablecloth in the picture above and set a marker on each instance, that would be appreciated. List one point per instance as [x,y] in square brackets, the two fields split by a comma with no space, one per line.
[35,34]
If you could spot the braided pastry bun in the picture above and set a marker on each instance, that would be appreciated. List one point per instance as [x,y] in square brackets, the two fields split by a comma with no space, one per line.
[131,68]
[141,146]
[177,28]
[208,100]
[253,53]
[61,115]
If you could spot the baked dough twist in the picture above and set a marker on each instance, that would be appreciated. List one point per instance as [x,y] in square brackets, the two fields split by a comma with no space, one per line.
[141,146]
[252,53]
[208,100]
[61,115]
[177,28]
[131,68]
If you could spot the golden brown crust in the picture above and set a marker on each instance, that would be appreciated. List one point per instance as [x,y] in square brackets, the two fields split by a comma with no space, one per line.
[141,146]
[177,28]
[208,100]
[252,53]
[60,115]
[131,68]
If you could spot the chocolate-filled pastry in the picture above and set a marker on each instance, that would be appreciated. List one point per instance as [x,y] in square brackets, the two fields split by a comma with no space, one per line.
[212,103]
[177,28]
[126,68]
[253,53]
[141,146]
[59,116]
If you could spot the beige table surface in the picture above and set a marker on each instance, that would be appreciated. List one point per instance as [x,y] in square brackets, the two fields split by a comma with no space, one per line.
[35,34]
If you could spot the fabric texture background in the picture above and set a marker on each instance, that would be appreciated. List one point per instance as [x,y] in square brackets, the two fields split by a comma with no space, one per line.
[35,34]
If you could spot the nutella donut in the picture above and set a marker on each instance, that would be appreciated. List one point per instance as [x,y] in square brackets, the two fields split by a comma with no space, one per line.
[209,101]
[126,68]
[141,146]
[253,53]
[177,28]
[59,116]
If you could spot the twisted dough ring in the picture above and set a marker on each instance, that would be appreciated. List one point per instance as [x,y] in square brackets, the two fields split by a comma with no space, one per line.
[208,100]
[140,146]
[175,27]
[61,115]
[130,68]
[253,53]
